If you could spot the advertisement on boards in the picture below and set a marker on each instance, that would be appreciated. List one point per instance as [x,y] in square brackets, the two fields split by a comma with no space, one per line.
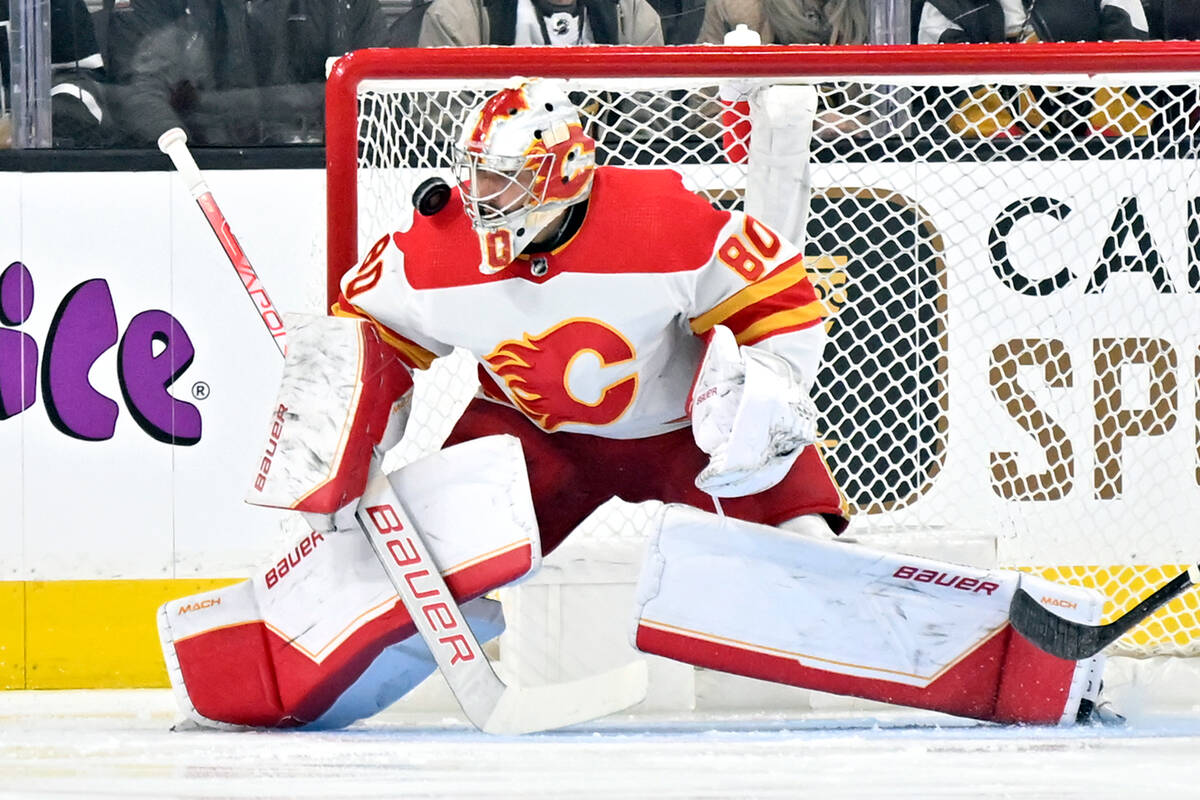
[135,377]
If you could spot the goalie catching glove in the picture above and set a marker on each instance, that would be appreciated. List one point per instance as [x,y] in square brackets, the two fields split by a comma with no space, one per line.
[752,415]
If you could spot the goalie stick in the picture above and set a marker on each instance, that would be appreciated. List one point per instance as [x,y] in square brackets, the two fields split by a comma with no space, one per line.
[488,702]
[1078,640]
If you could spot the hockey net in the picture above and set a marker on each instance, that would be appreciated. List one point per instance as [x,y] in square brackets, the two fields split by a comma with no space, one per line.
[1008,242]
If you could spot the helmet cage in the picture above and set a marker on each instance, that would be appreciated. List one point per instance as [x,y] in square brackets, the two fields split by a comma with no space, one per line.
[509,189]
[522,157]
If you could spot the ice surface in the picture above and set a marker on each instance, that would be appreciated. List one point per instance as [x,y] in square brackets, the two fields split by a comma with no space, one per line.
[119,744]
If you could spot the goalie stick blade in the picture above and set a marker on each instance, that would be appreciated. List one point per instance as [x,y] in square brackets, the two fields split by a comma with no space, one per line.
[1077,640]
[542,708]
[1050,632]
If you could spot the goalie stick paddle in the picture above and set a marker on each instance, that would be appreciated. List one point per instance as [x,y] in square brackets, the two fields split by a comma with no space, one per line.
[488,702]
[1078,640]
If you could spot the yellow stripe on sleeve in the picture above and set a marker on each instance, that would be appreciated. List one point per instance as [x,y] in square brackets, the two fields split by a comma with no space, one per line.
[780,280]
[792,318]
[416,355]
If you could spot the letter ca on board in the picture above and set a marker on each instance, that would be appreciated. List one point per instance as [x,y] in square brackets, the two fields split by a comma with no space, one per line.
[1127,230]
[152,353]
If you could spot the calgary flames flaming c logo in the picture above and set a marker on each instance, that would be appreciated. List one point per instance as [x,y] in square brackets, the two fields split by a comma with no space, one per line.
[536,371]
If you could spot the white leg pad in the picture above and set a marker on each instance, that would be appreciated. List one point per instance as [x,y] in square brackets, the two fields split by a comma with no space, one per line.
[753,600]
[319,636]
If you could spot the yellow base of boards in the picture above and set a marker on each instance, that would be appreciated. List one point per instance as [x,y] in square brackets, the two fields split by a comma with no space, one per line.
[86,634]
[103,634]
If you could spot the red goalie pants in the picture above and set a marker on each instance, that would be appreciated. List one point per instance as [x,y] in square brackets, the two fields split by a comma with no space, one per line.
[572,474]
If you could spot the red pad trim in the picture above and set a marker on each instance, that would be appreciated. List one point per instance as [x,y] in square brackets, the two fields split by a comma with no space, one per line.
[250,675]
[1027,685]
[969,688]
[382,380]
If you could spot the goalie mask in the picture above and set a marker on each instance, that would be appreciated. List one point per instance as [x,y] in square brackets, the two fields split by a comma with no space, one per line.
[522,159]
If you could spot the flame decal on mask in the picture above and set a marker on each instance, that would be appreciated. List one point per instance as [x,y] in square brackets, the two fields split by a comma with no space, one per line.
[502,105]
[565,177]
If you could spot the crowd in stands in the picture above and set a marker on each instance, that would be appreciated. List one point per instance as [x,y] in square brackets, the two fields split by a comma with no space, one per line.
[251,72]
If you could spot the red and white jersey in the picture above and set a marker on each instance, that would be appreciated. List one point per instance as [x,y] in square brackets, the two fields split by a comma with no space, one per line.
[604,337]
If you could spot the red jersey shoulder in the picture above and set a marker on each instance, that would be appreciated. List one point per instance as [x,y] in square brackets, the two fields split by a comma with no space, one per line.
[637,221]
[642,220]
[442,250]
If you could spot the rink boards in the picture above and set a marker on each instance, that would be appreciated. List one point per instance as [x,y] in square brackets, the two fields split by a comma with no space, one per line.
[104,517]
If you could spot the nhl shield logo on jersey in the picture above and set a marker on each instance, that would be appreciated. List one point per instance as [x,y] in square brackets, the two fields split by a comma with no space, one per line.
[538,372]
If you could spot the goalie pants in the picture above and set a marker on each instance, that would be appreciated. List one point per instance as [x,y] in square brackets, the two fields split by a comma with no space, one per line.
[572,474]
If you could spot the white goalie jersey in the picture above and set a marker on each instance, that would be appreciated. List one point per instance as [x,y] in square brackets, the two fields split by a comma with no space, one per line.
[602,335]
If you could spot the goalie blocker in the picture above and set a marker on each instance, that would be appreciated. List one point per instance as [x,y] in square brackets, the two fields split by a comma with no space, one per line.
[343,393]
[753,600]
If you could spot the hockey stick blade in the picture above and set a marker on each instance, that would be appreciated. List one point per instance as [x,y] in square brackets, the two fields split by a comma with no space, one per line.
[1078,640]
[530,709]
[492,705]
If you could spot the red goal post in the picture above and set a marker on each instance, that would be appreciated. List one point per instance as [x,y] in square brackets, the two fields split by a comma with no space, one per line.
[1008,240]
[476,63]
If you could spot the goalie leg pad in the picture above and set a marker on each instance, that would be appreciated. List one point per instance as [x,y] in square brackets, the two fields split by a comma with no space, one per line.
[755,601]
[318,636]
[245,676]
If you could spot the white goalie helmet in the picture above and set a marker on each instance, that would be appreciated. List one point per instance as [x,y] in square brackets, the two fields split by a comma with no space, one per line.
[522,158]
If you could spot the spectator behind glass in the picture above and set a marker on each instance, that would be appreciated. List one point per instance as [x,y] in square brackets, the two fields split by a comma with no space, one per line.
[680,19]
[232,72]
[1007,112]
[788,21]
[943,21]
[1173,19]
[842,108]
[466,23]
[78,114]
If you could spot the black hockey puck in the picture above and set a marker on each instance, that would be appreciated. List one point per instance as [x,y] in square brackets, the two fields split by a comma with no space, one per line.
[431,196]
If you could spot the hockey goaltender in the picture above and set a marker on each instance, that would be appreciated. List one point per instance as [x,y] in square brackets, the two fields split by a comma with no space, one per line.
[632,341]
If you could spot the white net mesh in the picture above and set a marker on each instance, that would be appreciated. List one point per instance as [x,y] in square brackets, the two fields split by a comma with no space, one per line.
[1011,270]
